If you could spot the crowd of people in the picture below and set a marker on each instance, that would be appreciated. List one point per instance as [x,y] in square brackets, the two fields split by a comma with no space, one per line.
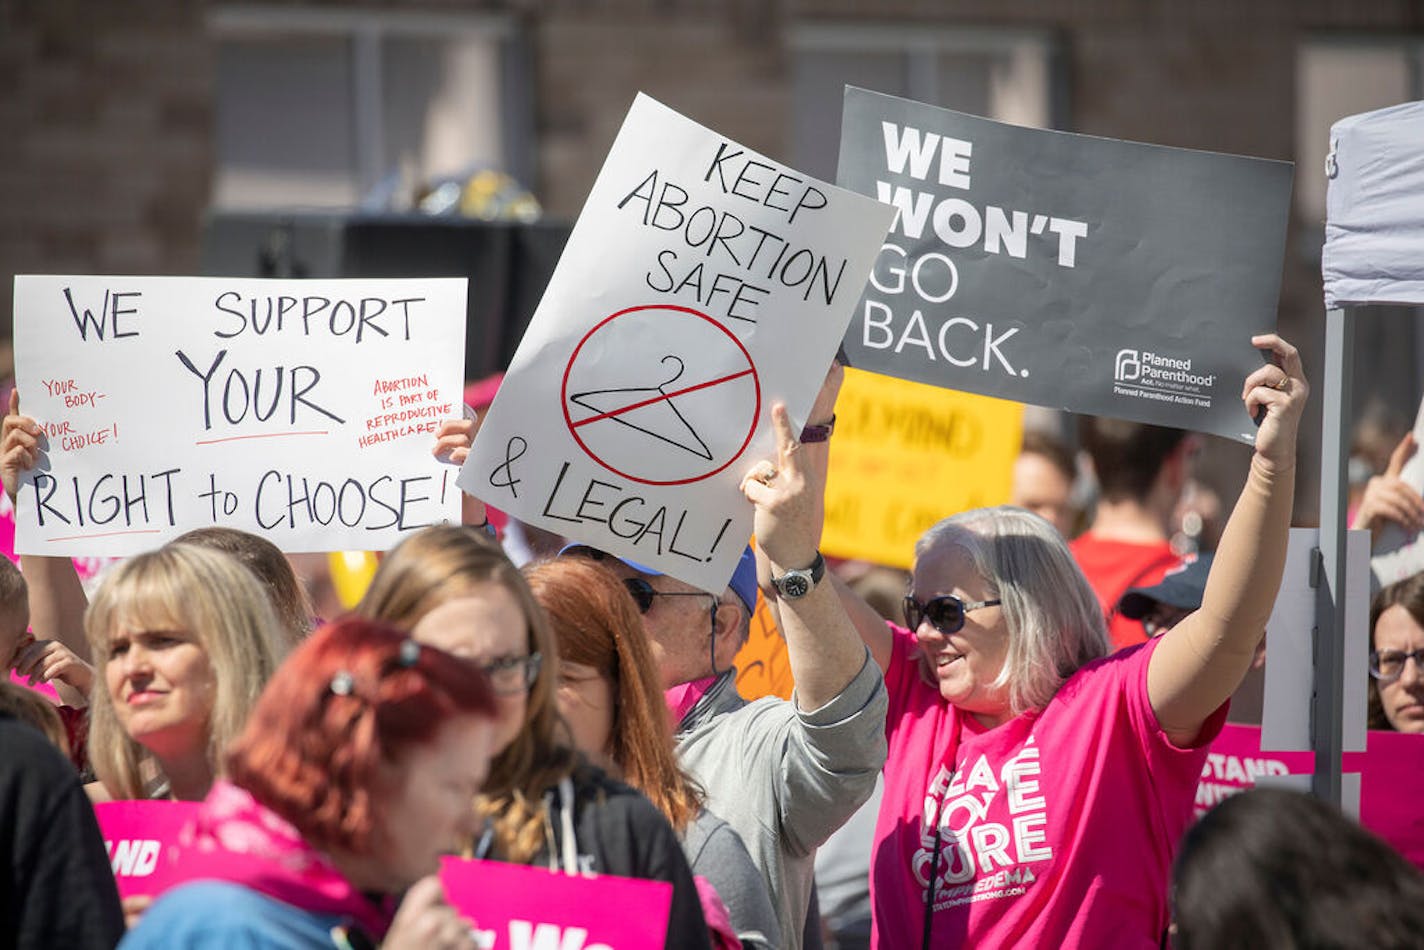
[1032,723]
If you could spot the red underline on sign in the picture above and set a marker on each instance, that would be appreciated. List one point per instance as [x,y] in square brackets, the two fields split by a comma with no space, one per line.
[261,435]
[106,534]
[665,396]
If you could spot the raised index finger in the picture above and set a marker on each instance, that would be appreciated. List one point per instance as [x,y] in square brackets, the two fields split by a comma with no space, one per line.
[1402,453]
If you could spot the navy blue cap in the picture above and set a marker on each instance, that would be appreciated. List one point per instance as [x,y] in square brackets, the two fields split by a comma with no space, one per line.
[743,583]
[1182,587]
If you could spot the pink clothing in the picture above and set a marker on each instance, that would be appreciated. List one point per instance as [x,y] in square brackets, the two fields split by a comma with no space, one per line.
[236,838]
[1058,827]
[681,698]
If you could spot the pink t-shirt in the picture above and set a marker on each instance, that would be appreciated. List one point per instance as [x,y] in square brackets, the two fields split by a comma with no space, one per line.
[1058,827]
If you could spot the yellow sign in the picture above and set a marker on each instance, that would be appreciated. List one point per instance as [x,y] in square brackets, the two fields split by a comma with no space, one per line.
[763,668]
[905,455]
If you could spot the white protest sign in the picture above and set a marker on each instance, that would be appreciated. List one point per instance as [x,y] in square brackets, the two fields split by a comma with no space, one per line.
[701,284]
[300,410]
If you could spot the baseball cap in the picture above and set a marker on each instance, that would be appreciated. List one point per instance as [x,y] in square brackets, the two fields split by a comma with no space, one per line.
[1182,587]
[743,583]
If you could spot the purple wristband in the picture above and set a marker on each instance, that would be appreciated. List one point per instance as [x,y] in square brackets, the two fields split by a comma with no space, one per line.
[819,433]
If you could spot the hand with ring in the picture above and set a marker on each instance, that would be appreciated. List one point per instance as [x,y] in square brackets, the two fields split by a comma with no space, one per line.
[1277,392]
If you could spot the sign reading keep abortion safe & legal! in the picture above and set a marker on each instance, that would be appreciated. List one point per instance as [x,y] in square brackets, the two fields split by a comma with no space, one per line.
[702,283]
[300,410]
[1067,271]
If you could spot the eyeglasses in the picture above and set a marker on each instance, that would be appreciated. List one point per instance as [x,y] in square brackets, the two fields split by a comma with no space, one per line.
[644,593]
[945,613]
[512,675]
[1388,665]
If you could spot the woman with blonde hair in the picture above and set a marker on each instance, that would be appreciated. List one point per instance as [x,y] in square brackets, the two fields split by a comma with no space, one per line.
[184,640]
[610,695]
[543,804]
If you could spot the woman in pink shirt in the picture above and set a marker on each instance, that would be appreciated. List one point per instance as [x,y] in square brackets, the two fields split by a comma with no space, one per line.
[1036,787]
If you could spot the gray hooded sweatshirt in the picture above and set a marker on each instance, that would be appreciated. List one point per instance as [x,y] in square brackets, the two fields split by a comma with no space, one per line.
[784,778]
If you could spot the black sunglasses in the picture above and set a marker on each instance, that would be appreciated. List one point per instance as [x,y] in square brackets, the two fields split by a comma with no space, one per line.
[946,613]
[644,593]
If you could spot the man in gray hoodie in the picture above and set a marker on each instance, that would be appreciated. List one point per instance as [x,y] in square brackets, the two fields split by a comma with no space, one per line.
[784,775]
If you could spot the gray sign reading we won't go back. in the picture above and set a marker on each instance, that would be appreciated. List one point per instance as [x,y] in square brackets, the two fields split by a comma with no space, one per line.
[1062,270]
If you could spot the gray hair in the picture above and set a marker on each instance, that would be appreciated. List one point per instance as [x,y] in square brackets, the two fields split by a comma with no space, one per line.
[1054,621]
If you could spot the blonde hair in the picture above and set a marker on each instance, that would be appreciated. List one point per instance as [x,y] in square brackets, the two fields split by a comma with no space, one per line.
[1054,621]
[439,564]
[216,600]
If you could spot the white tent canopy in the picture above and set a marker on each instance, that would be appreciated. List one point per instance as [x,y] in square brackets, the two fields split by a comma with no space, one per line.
[1374,226]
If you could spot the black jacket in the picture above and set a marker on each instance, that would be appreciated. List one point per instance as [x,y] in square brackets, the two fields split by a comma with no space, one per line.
[57,888]
[618,831]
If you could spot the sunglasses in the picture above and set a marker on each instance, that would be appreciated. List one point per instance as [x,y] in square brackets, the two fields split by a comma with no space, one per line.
[945,613]
[644,593]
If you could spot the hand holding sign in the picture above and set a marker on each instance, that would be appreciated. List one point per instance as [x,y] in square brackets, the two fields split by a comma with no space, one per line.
[1282,391]
[425,922]
[452,444]
[19,446]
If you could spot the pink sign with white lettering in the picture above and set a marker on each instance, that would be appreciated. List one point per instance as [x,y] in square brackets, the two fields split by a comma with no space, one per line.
[141,838]
[515,907]
[1391,779]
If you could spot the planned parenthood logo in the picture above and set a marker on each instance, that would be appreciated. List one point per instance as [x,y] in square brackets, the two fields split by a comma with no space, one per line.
[1142,374]
[1128,366]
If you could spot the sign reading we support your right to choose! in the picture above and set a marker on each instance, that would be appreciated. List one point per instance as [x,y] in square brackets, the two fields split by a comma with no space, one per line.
[1067,271]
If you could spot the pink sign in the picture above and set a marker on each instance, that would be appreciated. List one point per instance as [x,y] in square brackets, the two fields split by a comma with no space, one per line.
[1236,759]
[1391,779]
[141,838]
[1391,789]
[515,907]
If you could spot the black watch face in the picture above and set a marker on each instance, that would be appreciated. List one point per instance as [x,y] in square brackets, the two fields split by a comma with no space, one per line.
[795,585]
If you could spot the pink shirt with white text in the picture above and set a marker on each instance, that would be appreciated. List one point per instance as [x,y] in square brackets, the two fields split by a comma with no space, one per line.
[1055,829]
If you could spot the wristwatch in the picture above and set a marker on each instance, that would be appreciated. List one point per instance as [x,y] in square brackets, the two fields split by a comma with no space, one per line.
[794,584]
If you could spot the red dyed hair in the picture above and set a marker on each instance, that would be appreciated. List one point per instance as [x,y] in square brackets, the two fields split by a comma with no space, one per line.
[314,755]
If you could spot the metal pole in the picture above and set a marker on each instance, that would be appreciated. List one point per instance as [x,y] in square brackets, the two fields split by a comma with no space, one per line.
[1326,725]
